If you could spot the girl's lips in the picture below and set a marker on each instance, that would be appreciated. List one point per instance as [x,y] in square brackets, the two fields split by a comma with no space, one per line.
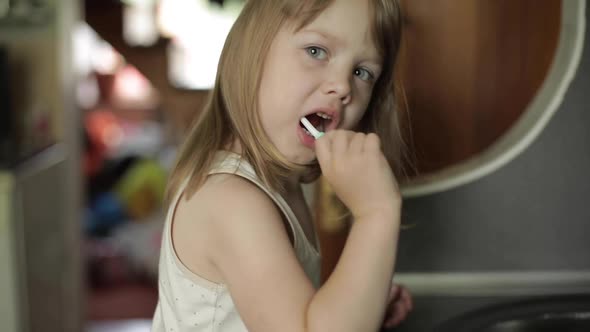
[305,139]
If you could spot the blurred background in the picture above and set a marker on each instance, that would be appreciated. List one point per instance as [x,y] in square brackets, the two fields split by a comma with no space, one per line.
[96,95]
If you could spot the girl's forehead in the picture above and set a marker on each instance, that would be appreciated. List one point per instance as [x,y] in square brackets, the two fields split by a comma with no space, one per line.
[349,11]
[347,23]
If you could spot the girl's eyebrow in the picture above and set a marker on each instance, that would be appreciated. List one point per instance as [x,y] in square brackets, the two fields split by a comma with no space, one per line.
[325,35]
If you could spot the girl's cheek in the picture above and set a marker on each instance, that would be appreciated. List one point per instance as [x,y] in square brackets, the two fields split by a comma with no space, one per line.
[353,120]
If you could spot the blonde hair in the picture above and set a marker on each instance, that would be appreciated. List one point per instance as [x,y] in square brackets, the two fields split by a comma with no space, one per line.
[231,111]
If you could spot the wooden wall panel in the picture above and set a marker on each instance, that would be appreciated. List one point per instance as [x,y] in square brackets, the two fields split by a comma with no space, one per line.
[470,68]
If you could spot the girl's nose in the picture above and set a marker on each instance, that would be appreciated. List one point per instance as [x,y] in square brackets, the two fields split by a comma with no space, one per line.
[338,86]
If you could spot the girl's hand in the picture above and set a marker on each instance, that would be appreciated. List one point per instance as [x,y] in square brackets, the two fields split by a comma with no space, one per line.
[355,167]
[400,304]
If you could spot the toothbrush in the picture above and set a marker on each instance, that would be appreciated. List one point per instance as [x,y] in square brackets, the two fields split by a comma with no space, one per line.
[314,132]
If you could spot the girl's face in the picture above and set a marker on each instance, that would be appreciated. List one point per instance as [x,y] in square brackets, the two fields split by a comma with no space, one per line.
[329,66]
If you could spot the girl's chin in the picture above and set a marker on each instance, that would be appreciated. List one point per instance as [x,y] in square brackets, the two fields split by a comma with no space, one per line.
[306,157]
[303,158]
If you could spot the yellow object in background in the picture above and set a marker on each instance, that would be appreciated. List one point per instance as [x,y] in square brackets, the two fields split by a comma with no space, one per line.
[142,189]
[333,216]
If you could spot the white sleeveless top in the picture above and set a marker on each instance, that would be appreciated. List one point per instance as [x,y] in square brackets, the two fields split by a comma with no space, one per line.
[188,302]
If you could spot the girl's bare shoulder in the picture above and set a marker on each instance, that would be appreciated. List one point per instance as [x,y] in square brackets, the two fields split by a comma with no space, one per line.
[224,198]
[225,212]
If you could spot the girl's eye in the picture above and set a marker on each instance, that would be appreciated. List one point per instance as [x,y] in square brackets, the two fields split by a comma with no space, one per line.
[317,52]
[364,74]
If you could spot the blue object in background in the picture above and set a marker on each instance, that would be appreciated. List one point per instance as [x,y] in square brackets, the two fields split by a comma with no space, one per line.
[105,213]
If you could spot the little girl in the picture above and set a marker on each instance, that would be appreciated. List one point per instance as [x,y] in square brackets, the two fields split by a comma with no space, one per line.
[239,251]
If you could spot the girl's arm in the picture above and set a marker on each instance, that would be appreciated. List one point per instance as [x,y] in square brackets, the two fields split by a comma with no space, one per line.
[354,165]
[269,287]
[252,251]
[254,255]
[359,285]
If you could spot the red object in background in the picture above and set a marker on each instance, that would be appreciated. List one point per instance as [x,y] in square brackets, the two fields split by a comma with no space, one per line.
[104,129]
[104,134]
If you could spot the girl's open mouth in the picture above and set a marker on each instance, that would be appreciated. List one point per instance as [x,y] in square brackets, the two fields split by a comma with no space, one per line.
[319,120]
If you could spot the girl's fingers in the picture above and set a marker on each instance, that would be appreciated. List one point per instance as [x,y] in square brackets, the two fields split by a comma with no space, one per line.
[400,305]
[341,142]
[323,147]
[402,312]
[393,292]
[333,144]
[407,299]
[357,143]
[396,315]
[372,142]
[403,295]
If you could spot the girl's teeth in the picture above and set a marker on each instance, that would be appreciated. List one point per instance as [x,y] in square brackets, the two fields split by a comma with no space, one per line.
[323,115]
